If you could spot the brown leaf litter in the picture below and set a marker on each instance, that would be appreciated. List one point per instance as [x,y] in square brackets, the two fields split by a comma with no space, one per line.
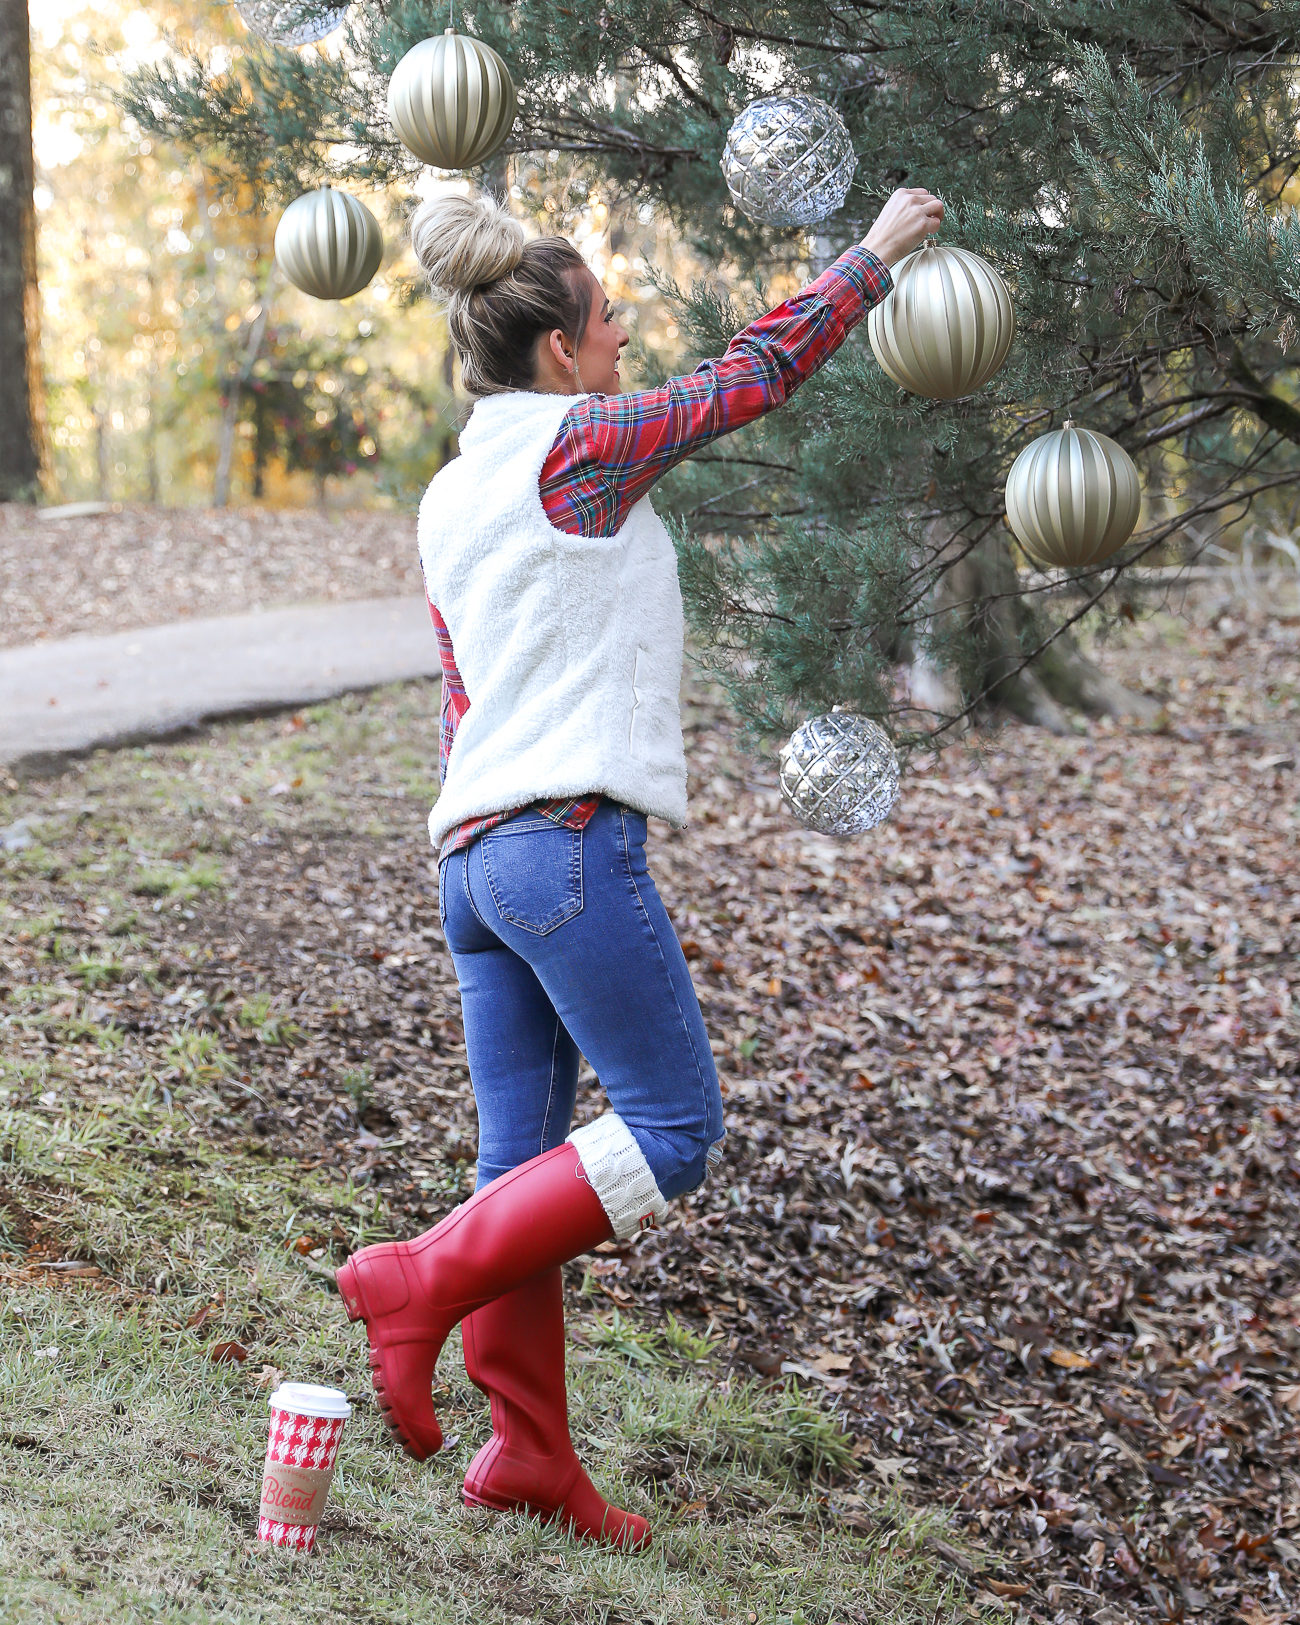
[1011,1176]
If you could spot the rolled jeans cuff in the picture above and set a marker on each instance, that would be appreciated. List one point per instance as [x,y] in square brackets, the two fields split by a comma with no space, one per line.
[617,1171]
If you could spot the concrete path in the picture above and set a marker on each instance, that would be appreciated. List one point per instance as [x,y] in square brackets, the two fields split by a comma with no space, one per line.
[59,698]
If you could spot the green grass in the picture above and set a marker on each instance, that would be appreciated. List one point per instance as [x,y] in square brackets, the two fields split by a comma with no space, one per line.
[131,1461]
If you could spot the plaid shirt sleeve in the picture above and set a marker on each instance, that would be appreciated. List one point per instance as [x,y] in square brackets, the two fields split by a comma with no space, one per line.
[612,448]
[455,701]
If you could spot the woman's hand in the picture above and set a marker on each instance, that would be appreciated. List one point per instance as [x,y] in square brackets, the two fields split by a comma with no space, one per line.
[910,216]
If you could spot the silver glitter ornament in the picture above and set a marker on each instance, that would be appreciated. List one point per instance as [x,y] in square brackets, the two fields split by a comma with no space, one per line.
[289,22]
[839,774]
[789,161]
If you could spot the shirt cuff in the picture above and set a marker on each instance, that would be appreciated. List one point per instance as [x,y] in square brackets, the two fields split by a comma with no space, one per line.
[856,282]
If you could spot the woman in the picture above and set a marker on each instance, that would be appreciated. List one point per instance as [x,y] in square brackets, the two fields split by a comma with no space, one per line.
[553,590]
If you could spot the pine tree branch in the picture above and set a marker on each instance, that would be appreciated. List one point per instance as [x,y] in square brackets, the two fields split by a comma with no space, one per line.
[670,67]
[822,47]
[1271,410]
[1217,407]
[1112,573]
[575,132]
[747,462]
[1232,34]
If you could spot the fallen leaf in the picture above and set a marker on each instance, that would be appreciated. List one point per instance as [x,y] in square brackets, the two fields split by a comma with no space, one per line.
[1166,1475]
[1255,1613]
[228,1353]
[1069,1359]
[892,1467]
[1000,1588]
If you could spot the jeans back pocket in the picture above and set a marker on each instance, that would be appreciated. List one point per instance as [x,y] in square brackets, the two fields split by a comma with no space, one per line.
[534,872]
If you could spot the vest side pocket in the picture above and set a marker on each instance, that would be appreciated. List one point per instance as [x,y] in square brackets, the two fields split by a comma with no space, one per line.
[639,722]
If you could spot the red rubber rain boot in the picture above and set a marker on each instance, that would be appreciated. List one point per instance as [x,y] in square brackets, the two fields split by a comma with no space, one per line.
[514,1352]
[539,1215]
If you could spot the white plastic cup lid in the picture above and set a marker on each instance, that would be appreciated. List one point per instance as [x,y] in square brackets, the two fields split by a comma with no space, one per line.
[306,1399]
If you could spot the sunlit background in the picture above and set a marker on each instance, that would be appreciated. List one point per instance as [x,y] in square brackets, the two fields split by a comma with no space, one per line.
[158,285]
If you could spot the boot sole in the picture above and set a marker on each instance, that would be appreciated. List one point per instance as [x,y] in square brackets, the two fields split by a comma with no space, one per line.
[549,1515]
[351,1292]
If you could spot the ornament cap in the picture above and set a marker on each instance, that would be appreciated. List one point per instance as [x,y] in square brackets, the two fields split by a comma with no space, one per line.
[448,30]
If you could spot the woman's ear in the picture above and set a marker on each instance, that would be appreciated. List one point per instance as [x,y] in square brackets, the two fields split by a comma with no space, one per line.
[562,351]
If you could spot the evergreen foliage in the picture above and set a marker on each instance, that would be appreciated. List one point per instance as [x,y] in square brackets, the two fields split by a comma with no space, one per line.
[1129,168]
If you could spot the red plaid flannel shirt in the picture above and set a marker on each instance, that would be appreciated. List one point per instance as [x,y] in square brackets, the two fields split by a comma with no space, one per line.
[612,448]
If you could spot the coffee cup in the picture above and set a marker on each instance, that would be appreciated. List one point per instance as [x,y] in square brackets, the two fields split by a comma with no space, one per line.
[301,1449]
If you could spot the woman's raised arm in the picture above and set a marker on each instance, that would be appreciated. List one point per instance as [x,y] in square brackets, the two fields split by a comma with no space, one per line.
[612,448]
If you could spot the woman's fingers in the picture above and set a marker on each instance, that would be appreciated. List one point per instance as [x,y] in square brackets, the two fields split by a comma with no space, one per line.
[910,215]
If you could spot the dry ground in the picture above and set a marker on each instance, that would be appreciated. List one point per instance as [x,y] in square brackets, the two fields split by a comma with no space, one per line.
[148,566]
[1011,1177]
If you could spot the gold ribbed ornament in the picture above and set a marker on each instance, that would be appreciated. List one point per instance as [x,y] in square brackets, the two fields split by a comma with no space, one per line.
[1073,498]
[946,326]
[328,244]
[452,101]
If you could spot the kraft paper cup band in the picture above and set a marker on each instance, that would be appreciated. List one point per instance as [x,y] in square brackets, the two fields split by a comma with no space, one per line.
[294,1496]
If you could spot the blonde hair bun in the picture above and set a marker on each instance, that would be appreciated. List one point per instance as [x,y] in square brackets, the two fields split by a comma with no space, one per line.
[463,243]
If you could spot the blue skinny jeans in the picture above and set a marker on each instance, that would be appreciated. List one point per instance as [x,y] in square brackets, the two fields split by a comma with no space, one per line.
[562,946]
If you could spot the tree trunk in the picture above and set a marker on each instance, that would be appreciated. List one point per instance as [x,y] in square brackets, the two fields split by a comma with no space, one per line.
[99,419]
[151,420]
[978,598]
[261,447]
[22,427]
[226,445]
[100,414]
[230,417]
[151,443]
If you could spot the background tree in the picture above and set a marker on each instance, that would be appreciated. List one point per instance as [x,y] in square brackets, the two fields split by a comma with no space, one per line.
[155,271]
[1130,169]
[22,438]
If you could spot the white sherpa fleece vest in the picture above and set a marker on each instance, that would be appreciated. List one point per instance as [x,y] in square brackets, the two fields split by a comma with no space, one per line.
[570,647]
